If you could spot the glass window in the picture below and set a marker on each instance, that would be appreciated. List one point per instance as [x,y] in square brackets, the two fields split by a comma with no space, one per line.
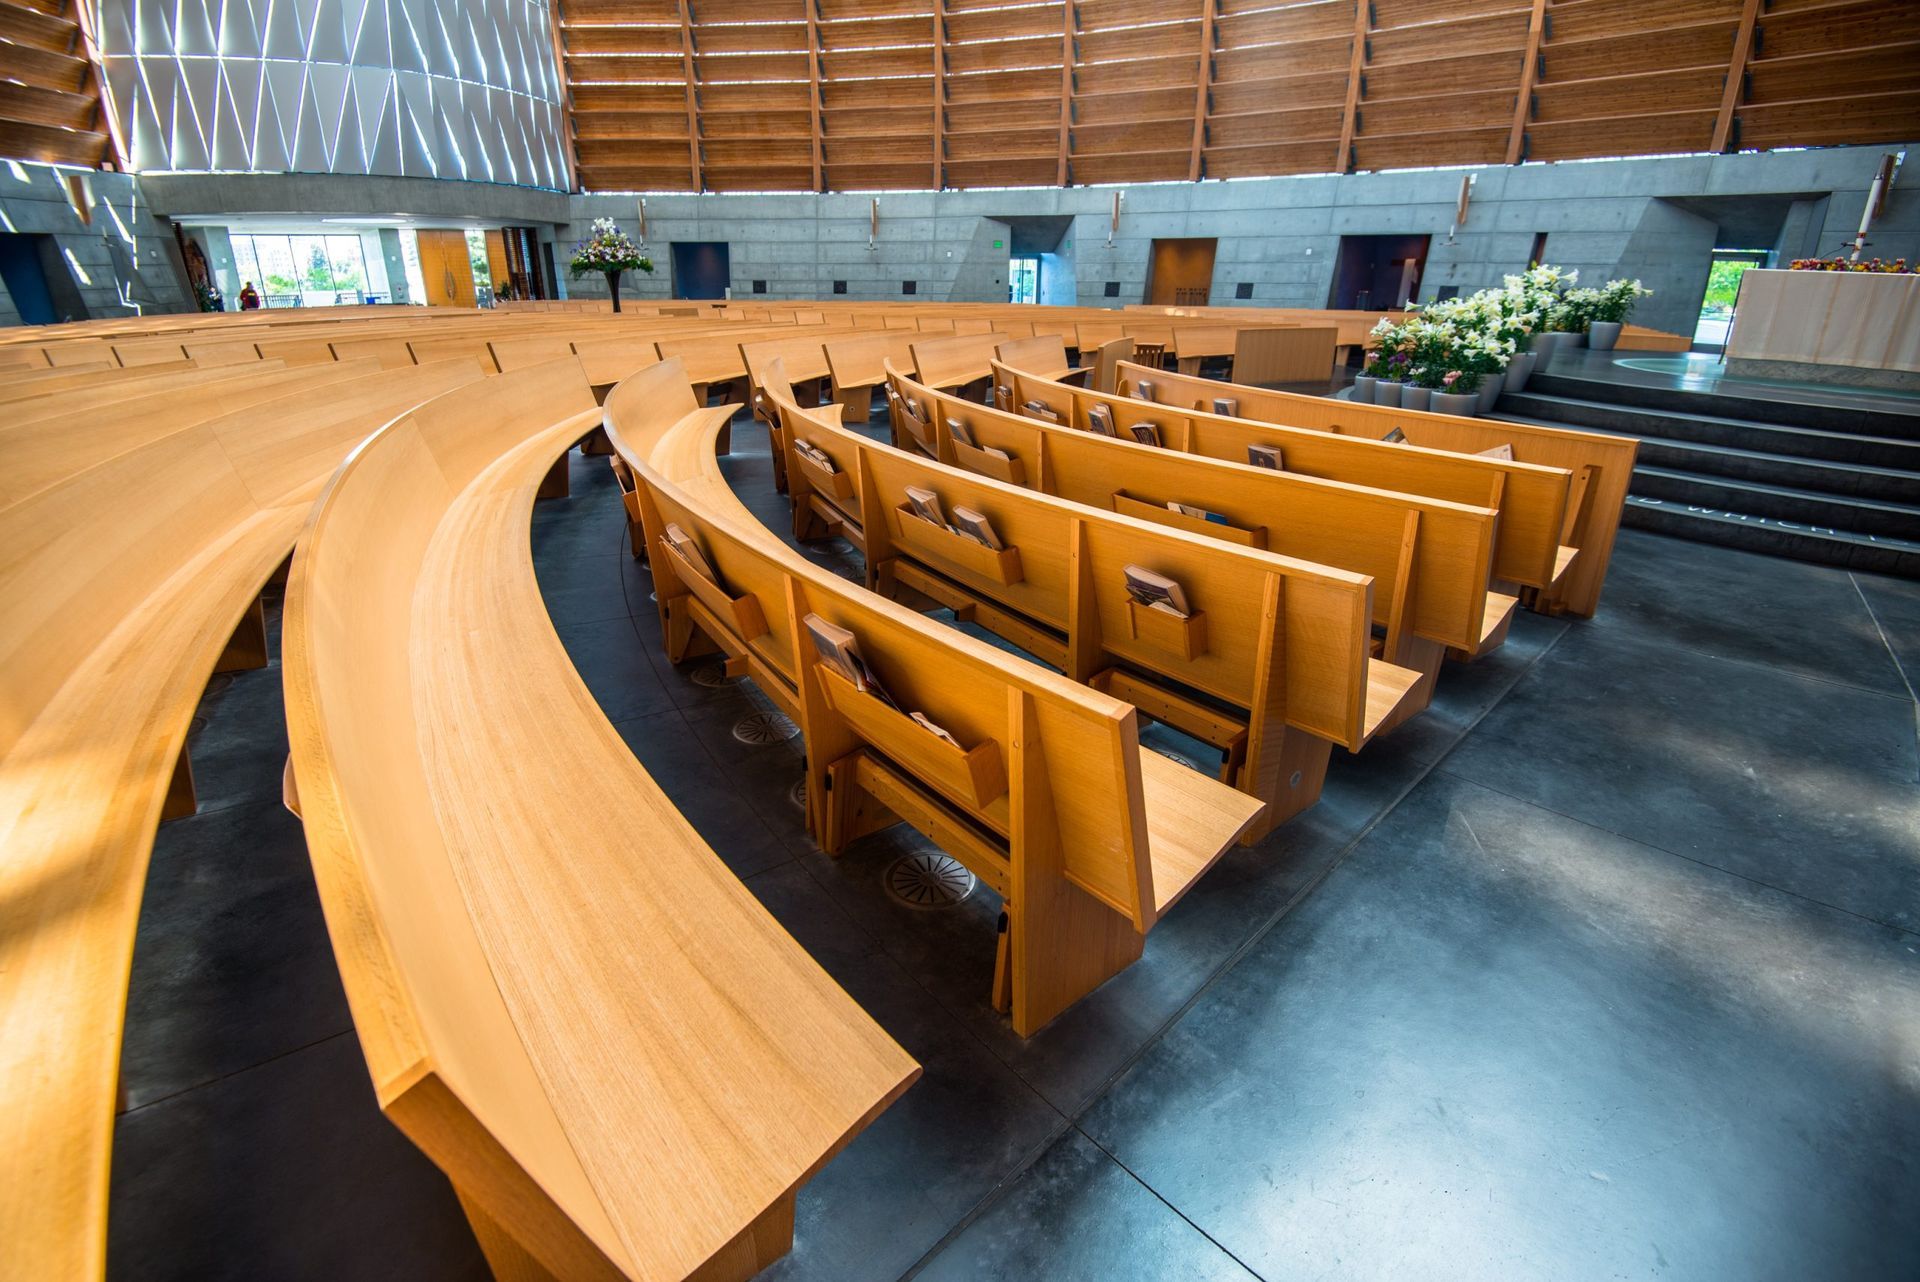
[302,270]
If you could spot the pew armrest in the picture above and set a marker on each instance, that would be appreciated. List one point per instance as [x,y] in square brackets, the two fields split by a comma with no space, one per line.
[1389,689]
[1562,562]
[1495,621]
[1191,821]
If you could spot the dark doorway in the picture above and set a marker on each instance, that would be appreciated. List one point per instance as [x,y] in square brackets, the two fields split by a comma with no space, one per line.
[1378,273]
[700,269]
[1180,273]
[37,278]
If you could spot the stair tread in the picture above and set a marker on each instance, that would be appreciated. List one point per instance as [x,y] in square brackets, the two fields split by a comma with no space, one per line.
[1781,491]
[1792,527]
[1717,420]
[1734,451]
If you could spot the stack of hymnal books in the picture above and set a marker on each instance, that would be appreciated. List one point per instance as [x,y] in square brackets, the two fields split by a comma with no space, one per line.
[964,435]
[1226,405]
[1157,592]
[1143,389]
[1040,410]
[967,523]
[680,541]
[839,649]
[1267,456]
[1100,419]
[1502,452]
[1197,513]
[1145,433]
[815,455]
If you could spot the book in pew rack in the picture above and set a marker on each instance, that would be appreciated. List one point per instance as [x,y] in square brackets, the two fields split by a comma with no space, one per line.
[817,456]
[1227,406]
[1197,513]
[1040,410]
[1143,390]
[1146,433]
[839,649]
[1100,420]
[961,432]
[1157,591]
[976,526]
[1502,452]
[926,505]
[1394,437]
[690,551]
[1267,456]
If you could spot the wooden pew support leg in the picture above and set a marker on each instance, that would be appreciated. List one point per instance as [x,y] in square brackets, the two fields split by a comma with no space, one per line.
[556,484]
[181,800]
[1297,768]
[1424,657]
[768,1238]
[595,443]
[247,648]
[508,1260]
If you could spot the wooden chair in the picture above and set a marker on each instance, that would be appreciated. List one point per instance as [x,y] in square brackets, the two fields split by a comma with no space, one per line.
[647,1115]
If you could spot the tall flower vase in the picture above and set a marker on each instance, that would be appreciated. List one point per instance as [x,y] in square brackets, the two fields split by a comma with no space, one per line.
[1387,392]
[1602,335]
[613,288]
[1464,404]
[1520,369]
[1414,398]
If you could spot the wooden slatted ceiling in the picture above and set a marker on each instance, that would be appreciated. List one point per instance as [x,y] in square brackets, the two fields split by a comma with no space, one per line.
[49,93]
[979,93]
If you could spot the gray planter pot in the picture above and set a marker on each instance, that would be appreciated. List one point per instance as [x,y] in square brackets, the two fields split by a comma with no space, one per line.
[1387,393]
[1490,391]
[1549,345]
[1363,390]
[1448,403]
[1603,335]
[1414,398]
[1520,369]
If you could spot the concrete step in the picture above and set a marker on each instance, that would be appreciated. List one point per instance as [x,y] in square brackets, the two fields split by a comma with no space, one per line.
[1781,410]
[1541,406]
[1855,480]
[1865,552]
[1804,507]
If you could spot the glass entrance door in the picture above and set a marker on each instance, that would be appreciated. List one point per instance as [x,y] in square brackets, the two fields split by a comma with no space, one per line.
[1023,279]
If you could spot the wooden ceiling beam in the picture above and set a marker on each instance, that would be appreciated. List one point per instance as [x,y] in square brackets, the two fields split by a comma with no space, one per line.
[1529,76]
[693,97]
[1736,74]
[1356,68]
[939,94]
[1067,21]
[813,89]
[1203,89]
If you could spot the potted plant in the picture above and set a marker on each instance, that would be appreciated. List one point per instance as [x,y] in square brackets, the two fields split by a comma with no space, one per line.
[1610,309]
[1518,321]
[1387,391]
[1459,393]
[610,252]
[1418,391]
[1382,341]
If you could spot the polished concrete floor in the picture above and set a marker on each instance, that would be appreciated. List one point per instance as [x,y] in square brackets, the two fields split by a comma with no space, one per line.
[1607,966]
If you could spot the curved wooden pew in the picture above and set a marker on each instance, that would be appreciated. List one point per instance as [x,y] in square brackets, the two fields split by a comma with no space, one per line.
[125,575]
[565,998]
[1274,668]
[1601,465]
[1532,500]
[1044,355]
[1050,801]
[1430,560]
[857,365]
[956,363]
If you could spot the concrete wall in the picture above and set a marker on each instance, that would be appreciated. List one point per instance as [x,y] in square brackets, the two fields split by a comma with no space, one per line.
[1280,235]
[33,200]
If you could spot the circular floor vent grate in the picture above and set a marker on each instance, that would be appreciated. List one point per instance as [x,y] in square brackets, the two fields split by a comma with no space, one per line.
[711,675]
[764,728]
[929,879]
[1179,758]
[798,793]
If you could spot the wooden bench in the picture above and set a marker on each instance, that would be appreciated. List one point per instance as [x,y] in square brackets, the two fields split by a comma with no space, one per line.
[1273,669]
[957,363]
[1532,500]
[1051,802]
[623,1064]
[1600,465]
[1430,559]
[1044,356]
[857,364]
[128,572]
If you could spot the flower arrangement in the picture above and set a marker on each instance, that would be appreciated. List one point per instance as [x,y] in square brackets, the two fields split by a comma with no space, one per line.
[1838,264]
[608,250]
[1458,343]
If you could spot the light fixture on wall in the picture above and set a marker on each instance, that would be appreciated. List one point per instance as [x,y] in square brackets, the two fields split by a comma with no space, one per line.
[1877,198]
[643,222]
[79,189]
[1113,220]
[873,222]
[1460,210]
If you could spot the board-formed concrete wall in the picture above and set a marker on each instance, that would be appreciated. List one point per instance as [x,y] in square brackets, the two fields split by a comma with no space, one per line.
[33,201]
[1281,235]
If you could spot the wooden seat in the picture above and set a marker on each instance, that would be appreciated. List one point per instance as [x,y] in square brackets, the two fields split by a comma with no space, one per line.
[951,364]
[1062,824]
[128,571]
[1600,467]
[623,1064]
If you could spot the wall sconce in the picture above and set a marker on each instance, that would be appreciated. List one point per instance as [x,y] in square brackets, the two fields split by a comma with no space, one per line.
[873,222]
[1113,220]
[643,222]
[1460,210]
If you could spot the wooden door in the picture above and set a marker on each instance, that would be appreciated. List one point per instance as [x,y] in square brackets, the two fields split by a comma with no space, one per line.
[446,269]
[1181,273]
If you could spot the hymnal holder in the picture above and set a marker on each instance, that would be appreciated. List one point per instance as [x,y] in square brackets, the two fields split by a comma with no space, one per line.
[836,483]
[1160,514]
[743,612]
[977,776]
[1185,637]
[975,459]
[1001,565]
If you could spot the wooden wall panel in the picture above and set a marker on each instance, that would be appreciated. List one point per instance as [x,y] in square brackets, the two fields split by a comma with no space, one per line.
[864,94]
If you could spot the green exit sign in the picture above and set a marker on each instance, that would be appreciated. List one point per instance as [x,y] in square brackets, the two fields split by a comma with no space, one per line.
[999,244]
